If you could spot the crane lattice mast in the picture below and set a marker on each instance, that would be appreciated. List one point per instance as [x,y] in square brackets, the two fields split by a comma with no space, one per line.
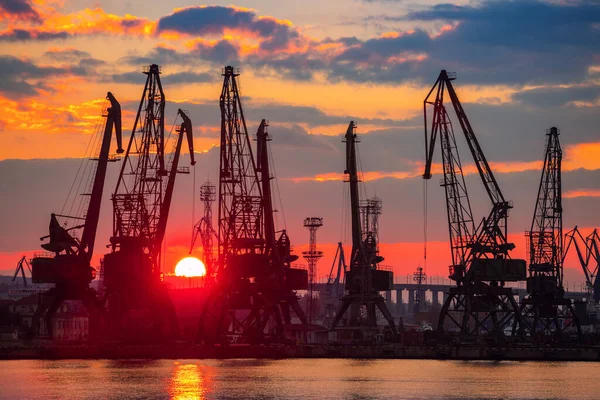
[141,205]
[254,290]
[546,308]
[481,262]
[204,228]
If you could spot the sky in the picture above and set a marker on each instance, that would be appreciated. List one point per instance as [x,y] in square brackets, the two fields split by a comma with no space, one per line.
[308,68]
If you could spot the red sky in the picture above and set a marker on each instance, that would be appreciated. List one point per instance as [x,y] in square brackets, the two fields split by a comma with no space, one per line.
[309,73]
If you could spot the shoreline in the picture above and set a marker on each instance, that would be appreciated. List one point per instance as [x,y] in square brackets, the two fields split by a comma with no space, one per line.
[390,351]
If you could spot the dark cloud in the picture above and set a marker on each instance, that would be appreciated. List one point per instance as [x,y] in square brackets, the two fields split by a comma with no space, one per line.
[69,55]
[557,96]
[493,42]
[213,20]
[205,20]
[21,9]
[162,56]
[24,78]
[15,35]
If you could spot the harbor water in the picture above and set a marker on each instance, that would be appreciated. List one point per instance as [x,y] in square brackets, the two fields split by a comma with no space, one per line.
[297,379]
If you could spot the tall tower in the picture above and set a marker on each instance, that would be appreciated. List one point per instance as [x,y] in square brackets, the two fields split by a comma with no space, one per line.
[204,228]
[546,307]
[312,256]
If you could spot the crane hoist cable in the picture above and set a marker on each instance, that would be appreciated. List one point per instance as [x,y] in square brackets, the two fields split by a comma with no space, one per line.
[424,224]
[80,175]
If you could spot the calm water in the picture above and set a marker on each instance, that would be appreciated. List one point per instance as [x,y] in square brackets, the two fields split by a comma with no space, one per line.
[298,379]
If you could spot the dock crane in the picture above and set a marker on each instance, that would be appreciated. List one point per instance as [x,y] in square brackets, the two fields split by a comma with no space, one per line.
[21,268]
[254,293]
[588,254]
[480,304]
[546,309]
[138,303]
[70,267]
[364,281]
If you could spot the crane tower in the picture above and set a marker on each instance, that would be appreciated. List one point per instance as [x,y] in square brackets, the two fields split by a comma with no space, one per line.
[480,304]
[255,285]
[204,228]
[364,280]
[546,308]
[69,267]
[138,303]
[312,257]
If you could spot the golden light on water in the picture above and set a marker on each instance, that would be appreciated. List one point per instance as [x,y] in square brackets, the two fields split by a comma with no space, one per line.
[190,267]
[188,382]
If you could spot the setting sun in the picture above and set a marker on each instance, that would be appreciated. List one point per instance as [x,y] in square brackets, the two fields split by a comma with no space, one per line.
[189,267]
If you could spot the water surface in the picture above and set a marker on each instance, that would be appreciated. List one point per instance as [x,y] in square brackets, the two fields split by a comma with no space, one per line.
[298,379]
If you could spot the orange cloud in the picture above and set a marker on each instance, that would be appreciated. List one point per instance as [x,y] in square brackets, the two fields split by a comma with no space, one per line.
[469,169]
[84,22]
[571,194]
[582,155]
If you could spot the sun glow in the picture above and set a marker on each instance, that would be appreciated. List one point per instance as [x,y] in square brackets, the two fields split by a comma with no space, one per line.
[189,267]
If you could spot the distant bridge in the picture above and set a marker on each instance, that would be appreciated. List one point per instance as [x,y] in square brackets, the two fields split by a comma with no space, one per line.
[438,293]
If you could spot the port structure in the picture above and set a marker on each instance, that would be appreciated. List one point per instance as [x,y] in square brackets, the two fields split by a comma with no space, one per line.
[480,304]
[419,277]
[138,306]
[548,312]
[68,265]
[205,230]
[363,280]
[254,294]
[312,257]
[334,289]
[21,264]
[588,254]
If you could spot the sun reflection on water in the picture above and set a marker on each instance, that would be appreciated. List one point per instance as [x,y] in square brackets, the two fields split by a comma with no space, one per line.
[189,381]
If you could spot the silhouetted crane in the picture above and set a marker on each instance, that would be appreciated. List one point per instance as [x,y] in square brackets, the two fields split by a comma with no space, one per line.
[21,268]
[141,204]
[254,293]
[363,280]
[546,309]
[70,269]
[480,304]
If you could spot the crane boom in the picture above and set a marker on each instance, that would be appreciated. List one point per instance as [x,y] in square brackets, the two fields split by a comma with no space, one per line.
[545,235]
[185,129]
[113,122]
[489,239]
[262,166]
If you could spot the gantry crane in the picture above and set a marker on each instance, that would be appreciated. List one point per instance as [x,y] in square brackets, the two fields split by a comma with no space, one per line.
[70,266]
[138,304]
[333,287]
[547,311]
[480,304]
[364,281]
[254,293]
[21,268]
[588,254]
